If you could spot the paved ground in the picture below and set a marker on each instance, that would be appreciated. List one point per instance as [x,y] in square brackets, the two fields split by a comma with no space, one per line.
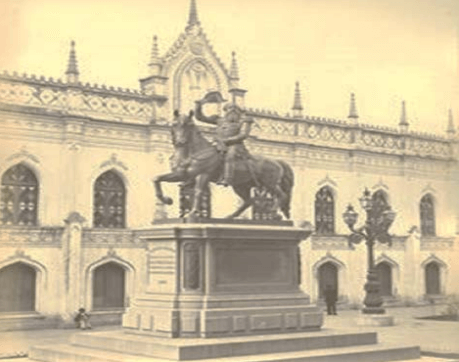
[439,341]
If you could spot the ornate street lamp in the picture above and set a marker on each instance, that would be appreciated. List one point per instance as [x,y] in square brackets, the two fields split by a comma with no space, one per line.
[379,219]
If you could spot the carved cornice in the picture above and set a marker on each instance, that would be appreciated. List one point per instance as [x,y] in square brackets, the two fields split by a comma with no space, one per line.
[42,81]
[398,243]
[80,101]
[436,243]
[31,236]
[111,238]
[329,242]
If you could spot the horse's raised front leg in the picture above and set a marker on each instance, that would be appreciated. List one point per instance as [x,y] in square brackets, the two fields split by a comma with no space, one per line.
[168,177]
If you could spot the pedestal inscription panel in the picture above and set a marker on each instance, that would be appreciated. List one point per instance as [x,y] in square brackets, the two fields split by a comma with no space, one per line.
[249,265]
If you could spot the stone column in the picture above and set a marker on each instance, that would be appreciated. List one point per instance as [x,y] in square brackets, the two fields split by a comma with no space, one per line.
[412,276]
[72,299]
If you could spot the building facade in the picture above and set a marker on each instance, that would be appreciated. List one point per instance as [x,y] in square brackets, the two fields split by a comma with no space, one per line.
[77,162]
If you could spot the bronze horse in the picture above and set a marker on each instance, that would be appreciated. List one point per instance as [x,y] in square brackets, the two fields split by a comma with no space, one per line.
[204,164]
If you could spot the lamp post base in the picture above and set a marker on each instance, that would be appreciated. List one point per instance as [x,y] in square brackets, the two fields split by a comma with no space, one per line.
[375,320]
[373,310]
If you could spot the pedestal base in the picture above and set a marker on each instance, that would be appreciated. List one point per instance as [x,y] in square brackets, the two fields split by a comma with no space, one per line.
[222,280]
[285,317]
[375,320]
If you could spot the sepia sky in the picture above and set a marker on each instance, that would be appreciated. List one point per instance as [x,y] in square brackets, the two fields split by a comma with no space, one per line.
[383,50]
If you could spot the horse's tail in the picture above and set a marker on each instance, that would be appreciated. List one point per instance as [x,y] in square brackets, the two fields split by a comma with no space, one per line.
[286,185]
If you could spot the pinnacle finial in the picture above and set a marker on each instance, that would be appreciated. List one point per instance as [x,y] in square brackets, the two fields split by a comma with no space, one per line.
[403,120]
[234,71]
[154,51]
[72,67]
[193,16]
[403,124]
[297,106]
[451,129]
[353,108]
[297,100]
[155,64]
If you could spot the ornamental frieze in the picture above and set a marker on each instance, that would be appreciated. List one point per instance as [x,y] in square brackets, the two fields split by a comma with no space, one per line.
[33,236]
[436,243]
[111,237]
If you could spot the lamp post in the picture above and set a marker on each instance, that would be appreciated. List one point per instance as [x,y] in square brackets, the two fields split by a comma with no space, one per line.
[379,219]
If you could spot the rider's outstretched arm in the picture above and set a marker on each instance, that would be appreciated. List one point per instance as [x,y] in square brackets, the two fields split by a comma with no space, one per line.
[201,117]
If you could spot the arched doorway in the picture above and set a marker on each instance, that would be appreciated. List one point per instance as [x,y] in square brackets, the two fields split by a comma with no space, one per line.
[17,288]
[327,275]
[108,287]
[432,278]
[384,271]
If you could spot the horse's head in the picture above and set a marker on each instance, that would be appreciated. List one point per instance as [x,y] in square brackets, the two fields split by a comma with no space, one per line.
[182,128]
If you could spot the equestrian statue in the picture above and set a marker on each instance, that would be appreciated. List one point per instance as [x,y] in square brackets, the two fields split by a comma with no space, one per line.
[225,161]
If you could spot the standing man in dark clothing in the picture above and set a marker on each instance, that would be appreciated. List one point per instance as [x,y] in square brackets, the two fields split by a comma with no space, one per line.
[331,297]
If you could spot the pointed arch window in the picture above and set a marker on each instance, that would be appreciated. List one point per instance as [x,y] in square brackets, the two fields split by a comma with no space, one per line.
[380,204]
[427,213]
[109,209]
[19,196]
[325,211]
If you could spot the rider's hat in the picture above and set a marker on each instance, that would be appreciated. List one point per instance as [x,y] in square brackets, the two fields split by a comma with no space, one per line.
[213,97]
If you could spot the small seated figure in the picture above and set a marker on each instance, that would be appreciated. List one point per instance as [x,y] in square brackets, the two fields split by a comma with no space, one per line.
[82,319]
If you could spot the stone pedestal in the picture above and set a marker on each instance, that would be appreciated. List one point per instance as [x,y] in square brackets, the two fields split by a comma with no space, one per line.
[216,280]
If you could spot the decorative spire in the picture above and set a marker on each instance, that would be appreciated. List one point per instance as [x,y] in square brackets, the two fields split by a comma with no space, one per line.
[234,72]
[297,107]
[154,51]
[353,109]
[193,16]
[155,61]
[72,67]
[403,121]
[451,129]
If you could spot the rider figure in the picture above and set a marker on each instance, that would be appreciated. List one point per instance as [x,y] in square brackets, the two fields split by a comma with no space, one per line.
[231,131]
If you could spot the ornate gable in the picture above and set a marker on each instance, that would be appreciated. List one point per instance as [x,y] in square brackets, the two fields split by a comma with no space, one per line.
[188,70]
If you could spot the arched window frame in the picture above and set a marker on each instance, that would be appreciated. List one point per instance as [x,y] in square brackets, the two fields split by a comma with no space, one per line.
[324,211]
[119,178]
[31,194]
[427,215]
